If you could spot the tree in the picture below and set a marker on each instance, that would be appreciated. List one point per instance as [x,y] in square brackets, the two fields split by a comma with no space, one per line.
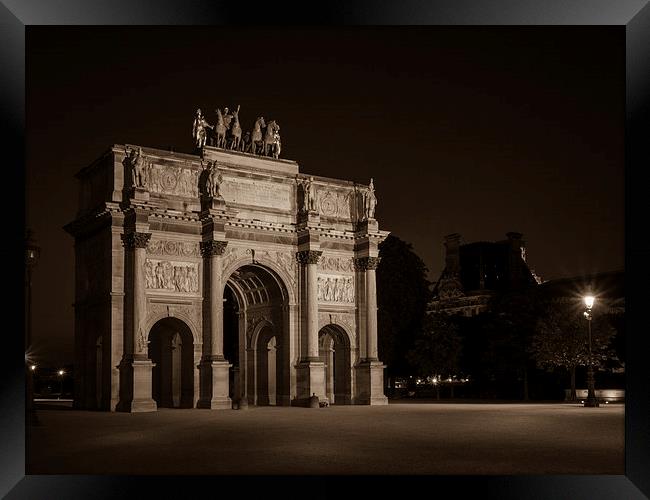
[561,340]
[403,293]
[437,349]
[509,330]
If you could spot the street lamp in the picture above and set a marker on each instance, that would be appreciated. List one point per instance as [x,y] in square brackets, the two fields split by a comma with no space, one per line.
[591,392]
[32,254]
[61,373]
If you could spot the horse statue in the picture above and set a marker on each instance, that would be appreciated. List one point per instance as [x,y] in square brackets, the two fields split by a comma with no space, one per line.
[245,143]
[220,131]
[270,141]
[234,132]
[257,145]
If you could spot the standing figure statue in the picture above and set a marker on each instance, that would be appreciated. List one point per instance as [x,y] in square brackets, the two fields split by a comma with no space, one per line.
[213,181]
[277,146]
[257,144]
[234,132]
[227,117]
[138,168]
[199,132]
[308,200]
[220,130]
[370,202]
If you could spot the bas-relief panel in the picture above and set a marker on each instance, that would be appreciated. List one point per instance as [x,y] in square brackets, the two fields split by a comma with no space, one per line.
[332,203]
[335,288]
[258,193]
[164,179]
[171,276]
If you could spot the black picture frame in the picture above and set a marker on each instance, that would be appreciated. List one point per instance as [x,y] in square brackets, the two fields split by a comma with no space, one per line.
[15,15]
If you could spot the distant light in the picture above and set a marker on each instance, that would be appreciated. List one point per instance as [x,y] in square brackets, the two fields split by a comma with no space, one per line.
[589,301]
[606,402]
[61,372]
[33,367]
[582,401]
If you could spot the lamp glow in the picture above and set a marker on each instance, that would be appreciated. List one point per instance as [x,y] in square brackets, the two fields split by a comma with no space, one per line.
[589,301]
[61,372]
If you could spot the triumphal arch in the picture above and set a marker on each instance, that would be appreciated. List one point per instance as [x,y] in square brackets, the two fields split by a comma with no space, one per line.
[222,278]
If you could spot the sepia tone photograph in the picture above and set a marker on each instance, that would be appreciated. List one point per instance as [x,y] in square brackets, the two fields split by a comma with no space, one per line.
[325,251]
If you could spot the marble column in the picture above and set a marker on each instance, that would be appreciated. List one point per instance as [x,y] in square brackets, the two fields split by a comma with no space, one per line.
[214,384]
[311,371]
[136,367]
[370,371]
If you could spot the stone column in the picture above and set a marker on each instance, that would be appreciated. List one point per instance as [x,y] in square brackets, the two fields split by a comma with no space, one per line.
[311,379]
[370,372]
[214,367]
[136,367]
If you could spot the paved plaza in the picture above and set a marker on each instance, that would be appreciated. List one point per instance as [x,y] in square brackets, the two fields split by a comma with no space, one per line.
[405,438]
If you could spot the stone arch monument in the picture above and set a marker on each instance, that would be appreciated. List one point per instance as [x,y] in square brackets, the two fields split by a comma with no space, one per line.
[222,276]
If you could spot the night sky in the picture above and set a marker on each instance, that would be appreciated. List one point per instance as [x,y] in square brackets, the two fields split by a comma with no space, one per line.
[472,130]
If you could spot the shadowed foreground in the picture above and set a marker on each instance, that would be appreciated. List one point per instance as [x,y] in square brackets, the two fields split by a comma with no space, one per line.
[394,439]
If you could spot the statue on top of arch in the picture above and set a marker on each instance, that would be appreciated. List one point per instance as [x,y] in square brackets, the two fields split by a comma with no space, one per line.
[263,140]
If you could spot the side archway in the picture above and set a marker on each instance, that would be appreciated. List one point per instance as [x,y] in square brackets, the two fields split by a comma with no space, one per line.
[335,352]
[171,348]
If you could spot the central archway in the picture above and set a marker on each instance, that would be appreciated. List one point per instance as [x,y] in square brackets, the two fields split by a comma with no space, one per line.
[256,333]
[171,349]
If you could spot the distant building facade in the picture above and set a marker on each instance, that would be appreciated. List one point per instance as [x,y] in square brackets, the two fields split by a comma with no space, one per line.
[474,272]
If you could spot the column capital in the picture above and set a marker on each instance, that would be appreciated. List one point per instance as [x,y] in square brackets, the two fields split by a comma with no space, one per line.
[308,256]
[212,248]
[366,263]
[135,240]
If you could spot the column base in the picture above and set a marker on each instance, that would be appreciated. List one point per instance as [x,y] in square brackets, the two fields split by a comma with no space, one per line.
[370,383]
[135,387]
[215,404]
[310,380]
[214,385]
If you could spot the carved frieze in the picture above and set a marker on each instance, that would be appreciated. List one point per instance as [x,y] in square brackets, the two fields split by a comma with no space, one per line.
[366,263]
[284,260]
[135,240]
[172,310]
[308,256]
[346,320]
[174,248]
[329,263]
[335,288]
[171,276]
[232,254]
[165,179]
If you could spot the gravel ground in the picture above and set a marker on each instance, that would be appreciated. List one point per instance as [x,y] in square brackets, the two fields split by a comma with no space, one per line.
[435,438]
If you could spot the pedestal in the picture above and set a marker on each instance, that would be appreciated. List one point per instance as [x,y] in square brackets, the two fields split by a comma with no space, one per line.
[215,385]
[310,379]
[135,387]
[140,194]
[370,384]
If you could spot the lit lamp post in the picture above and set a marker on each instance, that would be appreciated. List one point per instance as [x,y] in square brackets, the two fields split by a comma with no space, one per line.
[61,373]
[32,253]
[591,392]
